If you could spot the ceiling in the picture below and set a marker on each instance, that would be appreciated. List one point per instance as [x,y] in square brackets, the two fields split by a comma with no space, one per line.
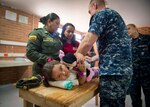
[76,11]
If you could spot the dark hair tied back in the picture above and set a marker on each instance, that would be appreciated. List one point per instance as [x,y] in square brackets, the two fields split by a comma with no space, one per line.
[50,16]
[43,20]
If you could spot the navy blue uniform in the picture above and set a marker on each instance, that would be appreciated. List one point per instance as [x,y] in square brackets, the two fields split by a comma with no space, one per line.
[141,70]
[115,57]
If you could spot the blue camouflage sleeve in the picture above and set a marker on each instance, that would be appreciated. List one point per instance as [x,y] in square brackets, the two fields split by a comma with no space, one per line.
[98,23]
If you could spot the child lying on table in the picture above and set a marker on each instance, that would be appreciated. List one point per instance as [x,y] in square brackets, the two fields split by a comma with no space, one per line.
[67,71]
[64,74]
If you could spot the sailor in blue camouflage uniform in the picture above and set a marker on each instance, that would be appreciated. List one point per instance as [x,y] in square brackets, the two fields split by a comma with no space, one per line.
[109,31]
[141,67]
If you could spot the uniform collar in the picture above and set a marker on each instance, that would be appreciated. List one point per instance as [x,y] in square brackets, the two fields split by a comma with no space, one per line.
[45,30]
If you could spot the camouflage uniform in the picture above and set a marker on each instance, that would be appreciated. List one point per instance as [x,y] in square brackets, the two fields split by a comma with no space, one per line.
[141,71]
[41,46]
[115,57]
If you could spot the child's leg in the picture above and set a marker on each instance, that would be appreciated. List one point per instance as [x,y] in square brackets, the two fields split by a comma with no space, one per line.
[92,72]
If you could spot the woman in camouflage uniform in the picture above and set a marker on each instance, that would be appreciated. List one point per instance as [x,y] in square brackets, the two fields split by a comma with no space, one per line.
[44,43]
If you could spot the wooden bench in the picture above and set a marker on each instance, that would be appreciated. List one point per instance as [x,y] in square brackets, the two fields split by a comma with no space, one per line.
[56,97]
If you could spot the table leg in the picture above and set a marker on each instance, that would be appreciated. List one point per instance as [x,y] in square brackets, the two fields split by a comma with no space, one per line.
[96,99]
[27,104]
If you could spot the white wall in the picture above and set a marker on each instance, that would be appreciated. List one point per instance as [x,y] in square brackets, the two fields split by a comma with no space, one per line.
[133,11]
[76,11]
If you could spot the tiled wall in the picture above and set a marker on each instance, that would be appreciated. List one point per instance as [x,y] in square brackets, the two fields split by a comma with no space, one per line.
[18,32]
[14,30]
[144,30]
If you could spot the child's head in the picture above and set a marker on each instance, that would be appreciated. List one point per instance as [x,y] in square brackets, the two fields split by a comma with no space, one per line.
[55,71]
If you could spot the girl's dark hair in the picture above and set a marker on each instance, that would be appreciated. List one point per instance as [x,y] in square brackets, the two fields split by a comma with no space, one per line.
[63,37]
[50,16]
[47,70]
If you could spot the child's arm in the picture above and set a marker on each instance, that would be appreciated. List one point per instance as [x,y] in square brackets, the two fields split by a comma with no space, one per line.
[82,79]
[81,73]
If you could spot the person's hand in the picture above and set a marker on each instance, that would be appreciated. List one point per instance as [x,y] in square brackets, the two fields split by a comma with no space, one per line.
[94,58]
[88,59]
[80,57]
[91,59]
[61,54]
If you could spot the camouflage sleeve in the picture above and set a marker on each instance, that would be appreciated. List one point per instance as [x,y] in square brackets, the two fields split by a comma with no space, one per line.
[33,49]
[149,44]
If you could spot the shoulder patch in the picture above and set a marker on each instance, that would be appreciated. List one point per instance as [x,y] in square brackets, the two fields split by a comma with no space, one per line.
[32,37]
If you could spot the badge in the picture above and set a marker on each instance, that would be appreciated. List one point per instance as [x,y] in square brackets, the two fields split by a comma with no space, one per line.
[32,37]
[48,40]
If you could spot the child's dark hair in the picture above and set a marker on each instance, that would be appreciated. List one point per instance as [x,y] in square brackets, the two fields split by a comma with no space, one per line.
[63,37]
[47,70]
[51,16]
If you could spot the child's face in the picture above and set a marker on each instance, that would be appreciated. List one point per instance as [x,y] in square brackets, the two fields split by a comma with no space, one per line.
[60,72]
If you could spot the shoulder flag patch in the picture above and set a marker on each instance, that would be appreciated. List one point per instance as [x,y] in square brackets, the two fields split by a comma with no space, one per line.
[32,37]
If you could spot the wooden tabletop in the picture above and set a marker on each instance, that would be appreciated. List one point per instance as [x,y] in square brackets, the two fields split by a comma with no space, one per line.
[56,97]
